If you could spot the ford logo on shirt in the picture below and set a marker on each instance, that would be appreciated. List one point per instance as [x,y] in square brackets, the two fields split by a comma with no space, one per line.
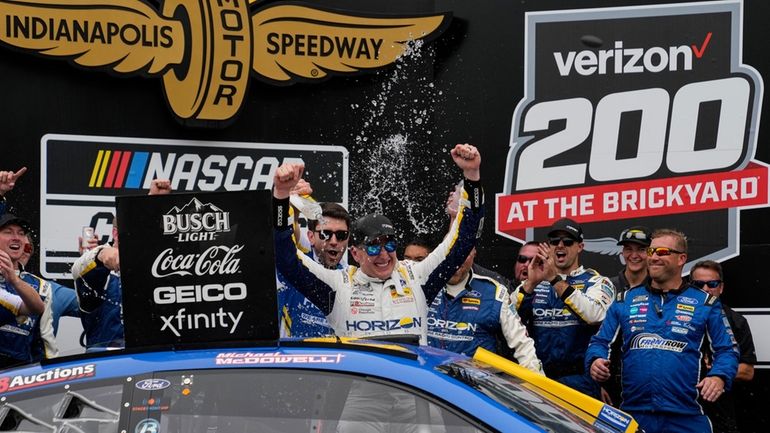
[687,300]
[153,384]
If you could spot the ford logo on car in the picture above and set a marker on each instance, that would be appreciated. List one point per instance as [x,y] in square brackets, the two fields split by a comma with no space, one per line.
[153,384]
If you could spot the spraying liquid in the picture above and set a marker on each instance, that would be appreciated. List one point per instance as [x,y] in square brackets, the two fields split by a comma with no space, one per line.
[307,206]
[393,144]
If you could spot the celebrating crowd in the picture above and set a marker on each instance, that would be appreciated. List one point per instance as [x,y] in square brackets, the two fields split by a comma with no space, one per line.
[648,340]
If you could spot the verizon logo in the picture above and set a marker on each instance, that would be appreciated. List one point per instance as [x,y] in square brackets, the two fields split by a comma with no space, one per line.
[621,60]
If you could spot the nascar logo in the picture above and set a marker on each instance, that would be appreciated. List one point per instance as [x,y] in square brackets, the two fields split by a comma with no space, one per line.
[187,171]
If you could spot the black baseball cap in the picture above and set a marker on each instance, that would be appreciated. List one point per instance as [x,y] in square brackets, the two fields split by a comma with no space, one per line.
[9,218]
[635,235]
[370,227]
[572,228]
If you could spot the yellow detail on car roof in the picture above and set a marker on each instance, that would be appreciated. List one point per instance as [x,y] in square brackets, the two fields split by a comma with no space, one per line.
[561,392]
[358,342]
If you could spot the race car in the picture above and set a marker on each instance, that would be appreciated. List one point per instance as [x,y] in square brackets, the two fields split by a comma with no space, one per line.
[315,386]
[187,370]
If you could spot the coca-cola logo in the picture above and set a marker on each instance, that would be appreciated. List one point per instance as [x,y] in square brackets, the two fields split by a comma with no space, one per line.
[216,260]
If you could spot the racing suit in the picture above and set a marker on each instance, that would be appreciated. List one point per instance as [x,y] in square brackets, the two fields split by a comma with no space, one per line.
[563,326]
[299,316]
[476,313]
[65,303]
[99,293]
[358,305]
[28,338]
[9,306]
[662,335]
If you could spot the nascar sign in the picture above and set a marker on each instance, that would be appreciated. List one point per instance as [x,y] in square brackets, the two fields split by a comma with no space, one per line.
[633,113]
[82,175]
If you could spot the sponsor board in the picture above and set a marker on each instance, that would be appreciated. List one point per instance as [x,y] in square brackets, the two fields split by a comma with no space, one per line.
[82,175]
[621,126]
[206,288]
[205,51]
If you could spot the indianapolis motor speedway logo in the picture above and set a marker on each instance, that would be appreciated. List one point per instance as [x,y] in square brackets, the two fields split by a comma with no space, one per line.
[204,50]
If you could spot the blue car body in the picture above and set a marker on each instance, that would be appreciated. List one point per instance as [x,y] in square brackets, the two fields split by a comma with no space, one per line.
[452,381]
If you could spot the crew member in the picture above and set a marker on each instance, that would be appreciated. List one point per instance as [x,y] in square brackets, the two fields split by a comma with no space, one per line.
[471,311]
[566,302]
[634,241]
[29,338]
[663,324]
[708,276]
[328,239]
[99,290]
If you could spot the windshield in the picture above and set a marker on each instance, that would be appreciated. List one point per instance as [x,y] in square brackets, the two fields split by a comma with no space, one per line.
[230,401]
[541,409]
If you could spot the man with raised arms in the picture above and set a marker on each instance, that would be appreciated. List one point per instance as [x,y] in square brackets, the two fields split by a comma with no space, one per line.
[383,296]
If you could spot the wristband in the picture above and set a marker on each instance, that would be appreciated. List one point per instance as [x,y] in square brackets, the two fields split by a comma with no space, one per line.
[555,280]
[99,263]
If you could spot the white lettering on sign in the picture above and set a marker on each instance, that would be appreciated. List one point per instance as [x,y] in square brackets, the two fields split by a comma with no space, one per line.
[216,260]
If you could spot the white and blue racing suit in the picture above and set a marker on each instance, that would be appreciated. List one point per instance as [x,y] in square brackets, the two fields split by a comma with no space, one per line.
[474,317]
[99,293]
[28,338]
[661,336]
[9,306]
[563,325]
[299,316]
[358,305]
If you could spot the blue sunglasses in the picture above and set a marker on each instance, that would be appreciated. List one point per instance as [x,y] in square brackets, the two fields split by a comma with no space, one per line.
[374,249]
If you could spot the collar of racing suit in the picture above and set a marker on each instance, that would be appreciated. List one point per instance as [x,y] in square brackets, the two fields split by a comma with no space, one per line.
[656,291]
[579,270]
[455,289]
[394,280]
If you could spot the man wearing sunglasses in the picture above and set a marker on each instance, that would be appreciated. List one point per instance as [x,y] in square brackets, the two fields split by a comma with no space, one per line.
[527,252]
[383,296]
[707,275]
[663,325]
[328,240]
[565,302]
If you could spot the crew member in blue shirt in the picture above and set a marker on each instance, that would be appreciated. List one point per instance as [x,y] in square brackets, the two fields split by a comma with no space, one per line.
[663,325]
